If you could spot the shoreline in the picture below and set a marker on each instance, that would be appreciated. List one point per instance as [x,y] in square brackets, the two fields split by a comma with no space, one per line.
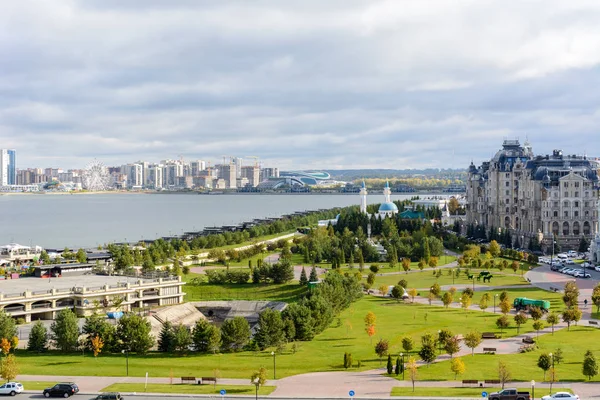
[128,192]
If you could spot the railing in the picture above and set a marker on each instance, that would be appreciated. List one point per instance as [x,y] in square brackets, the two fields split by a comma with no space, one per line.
[38,306]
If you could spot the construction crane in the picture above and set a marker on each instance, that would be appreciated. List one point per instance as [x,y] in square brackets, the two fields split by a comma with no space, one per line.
[255,160]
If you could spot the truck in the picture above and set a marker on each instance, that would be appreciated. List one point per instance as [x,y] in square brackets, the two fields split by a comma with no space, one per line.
[509,394]
[523,303]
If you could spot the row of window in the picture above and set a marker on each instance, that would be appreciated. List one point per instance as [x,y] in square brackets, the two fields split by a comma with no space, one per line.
[567,228]
[566,214]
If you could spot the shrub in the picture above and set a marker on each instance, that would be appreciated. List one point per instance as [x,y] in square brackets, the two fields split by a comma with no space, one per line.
[374,268]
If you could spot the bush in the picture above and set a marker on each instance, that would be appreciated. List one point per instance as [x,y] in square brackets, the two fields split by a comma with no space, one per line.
[219,277]
[374,268]
[403,283]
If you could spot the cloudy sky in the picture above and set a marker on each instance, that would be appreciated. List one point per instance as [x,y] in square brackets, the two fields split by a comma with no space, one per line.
[298,83]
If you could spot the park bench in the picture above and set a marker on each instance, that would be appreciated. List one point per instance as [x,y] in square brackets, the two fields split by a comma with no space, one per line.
[489,350]
[492,381]
[528,340]
[552,288]
[593,322]
[188,379]
[470,382]
[488,335]
[205,379]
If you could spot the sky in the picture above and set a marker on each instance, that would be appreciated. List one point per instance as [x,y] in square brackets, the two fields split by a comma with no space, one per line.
[301,84]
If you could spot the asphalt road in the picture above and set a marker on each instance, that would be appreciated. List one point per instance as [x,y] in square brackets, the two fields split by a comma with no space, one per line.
[38,396]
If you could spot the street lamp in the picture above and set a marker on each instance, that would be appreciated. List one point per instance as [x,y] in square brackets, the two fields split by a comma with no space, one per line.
[127,359]
[532,390]
[256,383]
[402,356]
[496,295]
[551,373]
[274,369]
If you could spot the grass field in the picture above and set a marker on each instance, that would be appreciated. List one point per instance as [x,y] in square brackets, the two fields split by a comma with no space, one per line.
[189,389]
[469,392]
[37,385]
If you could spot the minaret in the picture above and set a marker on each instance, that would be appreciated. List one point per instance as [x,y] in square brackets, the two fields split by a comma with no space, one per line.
[363,198]
[387,193]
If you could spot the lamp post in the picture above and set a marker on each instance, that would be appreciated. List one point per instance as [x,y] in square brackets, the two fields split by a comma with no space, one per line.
[256,383]
[274,368]
[532,390]
[496,295]
[126,360]
[402,356]
[551,373]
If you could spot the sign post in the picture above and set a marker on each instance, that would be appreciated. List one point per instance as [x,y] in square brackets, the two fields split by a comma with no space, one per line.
[351,393]
[223,392]
[484,394]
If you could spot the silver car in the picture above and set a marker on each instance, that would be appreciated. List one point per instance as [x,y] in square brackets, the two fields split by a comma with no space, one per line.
[11,388]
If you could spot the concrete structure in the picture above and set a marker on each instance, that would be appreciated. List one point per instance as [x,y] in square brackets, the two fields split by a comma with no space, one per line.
[14,252]
[8,167]
[155,177]
[537,196]
[197,166]
[252,173]
[35,298]
[228,173]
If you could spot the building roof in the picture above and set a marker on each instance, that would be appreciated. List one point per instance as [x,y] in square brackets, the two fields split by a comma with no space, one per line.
[409,214]
[388,207]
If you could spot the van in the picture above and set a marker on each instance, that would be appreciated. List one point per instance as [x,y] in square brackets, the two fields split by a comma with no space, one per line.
[562,256]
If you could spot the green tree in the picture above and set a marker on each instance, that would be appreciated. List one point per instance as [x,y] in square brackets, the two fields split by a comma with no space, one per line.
[390,366]
[502,322]
[520,318]
[570,315]
[452,346]
[427,352]
[8,327]
[303,279]
[538,325]
[206,337]
[182,338]
[407,344]
[270,331]
[436,289]
[447,299]
[397,292]
[235,334]
[457,366]
[590,366]
[166,338]
[494,248]
[399,367]
[536,313]
[45,258]
[570,295]
[282,272]
[558,356]
[313,275]
[65,331]
[552,319]
[97,325]
[259,378]
[381,348]
[371,279]
[596,297]
[544,363]
[472,340]
[504,374]
[133,334]
[81,256]
[38,338]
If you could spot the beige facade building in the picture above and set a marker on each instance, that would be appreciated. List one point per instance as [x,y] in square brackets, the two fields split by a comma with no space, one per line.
[535,196]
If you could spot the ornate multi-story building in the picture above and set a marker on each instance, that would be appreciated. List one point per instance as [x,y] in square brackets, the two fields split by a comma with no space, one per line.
[535,196]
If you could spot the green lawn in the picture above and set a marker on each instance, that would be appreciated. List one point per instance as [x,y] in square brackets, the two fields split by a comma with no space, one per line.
[37,385]
[188,388]
[468,392]
[523,367]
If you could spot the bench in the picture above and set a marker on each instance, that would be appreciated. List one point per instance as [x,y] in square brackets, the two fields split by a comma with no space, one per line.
[593,322]
[204,380]
[489,350]
[470,382]
[554,289]
[488,335]
[188,379]
[492,381]
[528,340]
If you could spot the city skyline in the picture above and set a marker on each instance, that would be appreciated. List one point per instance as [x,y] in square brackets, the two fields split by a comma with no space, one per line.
[342,84]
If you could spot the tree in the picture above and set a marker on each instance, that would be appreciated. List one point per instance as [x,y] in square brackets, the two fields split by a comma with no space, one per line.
[397,292]
[8,327]
[504,374]
[282,272]
[584,244]
[536,313]
[38,338]
[390,366]
[383,289]
[81,256]
[413,293]
[206,337]
[412,370]
[465,301]
[259,378]
[494,248]
[97,345]
[65,331]
[407,344]
[520,318]
[427,352]
[538,325]
[403,283]
[447,299]
[182,338]
[552,319]
[505,306]
[590,366]
[303,279]
[97,325]
[502,322]
[235,333]
[166,338]
[371,279]
[570,315]
[370,320]
[452,346]
[457,366]
[5,346]
[10,368]
[570,295]
[406,264]
[436,289]
[347,360]
[398,368]
[472,340]
[596,297]
[133,334]
[483,304]
[381,348]
[544,363]
[313,275]
[270,331]
[558,356]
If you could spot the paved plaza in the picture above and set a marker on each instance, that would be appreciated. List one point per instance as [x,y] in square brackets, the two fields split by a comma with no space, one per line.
[13,286]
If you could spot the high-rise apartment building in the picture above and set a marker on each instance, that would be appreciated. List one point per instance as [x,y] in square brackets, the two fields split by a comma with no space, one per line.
[197,166]
[134,174]
[227,172]
[8,167]
[252,173]
[155,177]
[535,197]
[267,173]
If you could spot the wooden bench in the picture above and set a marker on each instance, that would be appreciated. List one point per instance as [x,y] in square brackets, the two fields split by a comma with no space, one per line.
[593,322]
[470,382]
[528,340]
[488,335]
[492,381]
[554,289]
[489,350]
[188,379]
[205,379]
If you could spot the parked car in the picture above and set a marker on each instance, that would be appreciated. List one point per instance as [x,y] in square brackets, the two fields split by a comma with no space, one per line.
[11,388]
[61,390]
[587,265]
[561,395]
[110,396]
[570,262]
[510,394]
[581,274]
[597,268]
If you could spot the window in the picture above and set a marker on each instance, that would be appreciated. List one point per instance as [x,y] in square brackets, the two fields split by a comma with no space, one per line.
[586,204]
[556,214]
[555,204]
[555,228]
[576,204]
[507,184]
[565,184]
[576,194]
[566,214]
[587,214]
[565,228]
[586,228]
[566,194]
[565,204]
[508,192]
[576,184]
[507,201]
[576,228]
[576,214]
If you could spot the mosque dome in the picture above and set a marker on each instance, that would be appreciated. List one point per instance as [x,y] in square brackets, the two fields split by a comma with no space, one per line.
[389,206]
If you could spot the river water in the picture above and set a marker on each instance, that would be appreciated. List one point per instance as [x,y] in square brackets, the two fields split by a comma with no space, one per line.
[87,220]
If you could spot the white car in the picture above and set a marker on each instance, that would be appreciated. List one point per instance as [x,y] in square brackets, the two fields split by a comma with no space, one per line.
[11,388]
[561,395]
[597,268]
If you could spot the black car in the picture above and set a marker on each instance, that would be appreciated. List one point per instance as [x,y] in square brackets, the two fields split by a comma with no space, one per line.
[61,390]
[110,396]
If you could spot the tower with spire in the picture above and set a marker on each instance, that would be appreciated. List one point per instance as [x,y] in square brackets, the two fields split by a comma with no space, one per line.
[363,198]
[387,208]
